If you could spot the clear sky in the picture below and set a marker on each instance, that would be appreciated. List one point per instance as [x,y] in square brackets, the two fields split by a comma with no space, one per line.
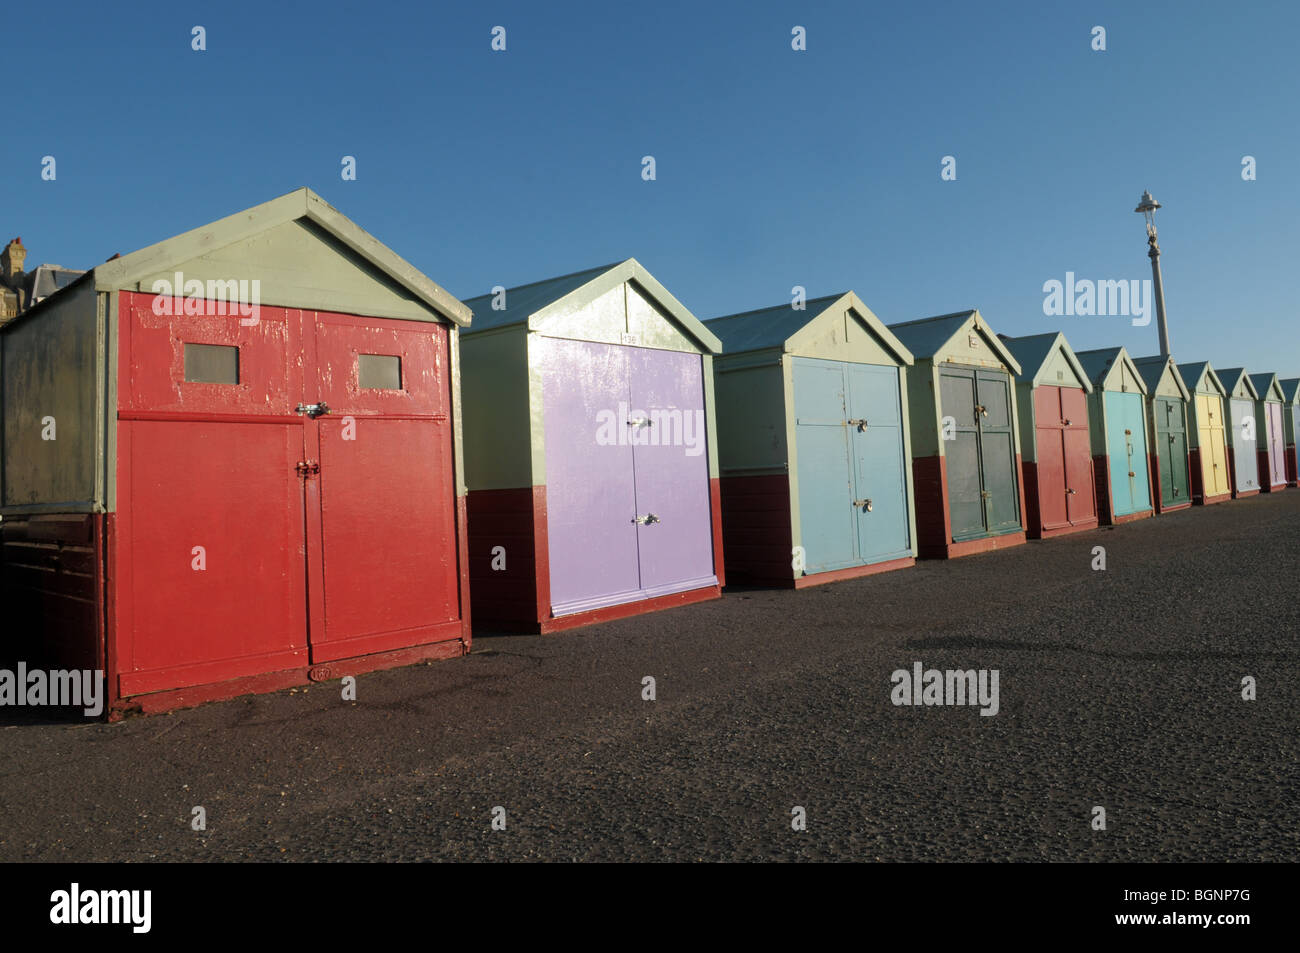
[774,168]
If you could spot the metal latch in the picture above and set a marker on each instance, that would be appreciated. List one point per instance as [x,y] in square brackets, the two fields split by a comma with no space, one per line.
[646,520]
[1128,433]
[859,423]
[985,495]
[1070,492]
[1131,473]
[305,467]
[640,422]
[1066,422]
[313,410]
[865,504]
[981,410]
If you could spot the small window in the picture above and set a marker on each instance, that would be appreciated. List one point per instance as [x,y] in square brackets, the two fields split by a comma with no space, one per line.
[211,364]
[379,371]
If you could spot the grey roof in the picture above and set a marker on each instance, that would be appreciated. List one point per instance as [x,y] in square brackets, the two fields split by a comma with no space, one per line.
[1230,377]
[525,300]
[1192,372]
[766,327]
[1098,361]
[47,279]
[1032,351]
[924,336]
[1153,367]
[1290,389]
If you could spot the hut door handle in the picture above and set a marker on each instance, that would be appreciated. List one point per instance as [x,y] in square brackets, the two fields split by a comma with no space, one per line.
[859,423]
[313,410]
[646,520]
[1070,492]
[865,504]
[640,422]
[981,410]
[1066,422]
[985,495]
[305,467]
[1128,433]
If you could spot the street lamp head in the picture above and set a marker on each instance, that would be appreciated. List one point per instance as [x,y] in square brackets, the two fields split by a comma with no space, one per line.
[1148,204]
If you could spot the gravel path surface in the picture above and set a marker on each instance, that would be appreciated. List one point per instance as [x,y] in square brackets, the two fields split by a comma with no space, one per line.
[1119,689]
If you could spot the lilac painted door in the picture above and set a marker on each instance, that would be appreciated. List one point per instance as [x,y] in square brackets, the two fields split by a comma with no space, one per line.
[627,479]
[1276,444]
[590,497]
[671,471]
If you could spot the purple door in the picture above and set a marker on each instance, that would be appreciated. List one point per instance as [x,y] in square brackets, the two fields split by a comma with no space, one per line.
[590,498]
[671,460]
[627,480]
[1276,444]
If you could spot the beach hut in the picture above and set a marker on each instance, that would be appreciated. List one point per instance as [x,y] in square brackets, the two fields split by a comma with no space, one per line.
[1052,391]
[1167,398]
[1208,451]
[1117,424]
[231,462]
[590,451]
[1291,424]
[1243,467]
[965,438]
[1270,432]
[813,447]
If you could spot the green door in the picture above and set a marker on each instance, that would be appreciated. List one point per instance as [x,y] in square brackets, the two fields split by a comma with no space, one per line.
[983,491]
[961,452]
[1171,450]
[998,451]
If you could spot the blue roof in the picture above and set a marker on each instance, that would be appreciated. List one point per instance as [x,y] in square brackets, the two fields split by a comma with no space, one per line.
[1193,371]
[524,301]
[1290,389]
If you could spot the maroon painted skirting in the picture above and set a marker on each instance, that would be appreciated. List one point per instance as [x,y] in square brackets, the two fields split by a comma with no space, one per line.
[934,523]
[756,529]
[518,598]
[1267,485]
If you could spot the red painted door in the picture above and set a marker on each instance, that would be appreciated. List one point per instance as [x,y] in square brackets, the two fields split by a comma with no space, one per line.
[1080,492]
[385,572]
[1051,458]
[209,524]
[251,535]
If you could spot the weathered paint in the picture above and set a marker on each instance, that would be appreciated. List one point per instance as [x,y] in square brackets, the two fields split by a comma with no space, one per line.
[550,496]
[179,463]
[967,487]
[52,405]
[789,384]
[1207,434]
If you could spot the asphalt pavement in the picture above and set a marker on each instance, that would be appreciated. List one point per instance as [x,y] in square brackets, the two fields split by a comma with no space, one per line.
[1118,689]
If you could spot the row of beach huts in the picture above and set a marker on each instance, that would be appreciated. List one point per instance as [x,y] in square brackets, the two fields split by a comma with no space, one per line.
[204,500]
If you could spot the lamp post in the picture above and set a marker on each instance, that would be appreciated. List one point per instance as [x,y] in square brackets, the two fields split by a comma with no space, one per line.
[1148,207]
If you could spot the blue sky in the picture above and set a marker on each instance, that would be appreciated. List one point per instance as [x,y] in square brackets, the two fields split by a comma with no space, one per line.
[774,168]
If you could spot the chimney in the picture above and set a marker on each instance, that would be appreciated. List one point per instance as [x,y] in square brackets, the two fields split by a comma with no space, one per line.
[11,260]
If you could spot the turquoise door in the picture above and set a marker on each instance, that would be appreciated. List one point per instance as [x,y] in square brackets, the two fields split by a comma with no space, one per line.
[1126,445]
[849,453]
[880,476]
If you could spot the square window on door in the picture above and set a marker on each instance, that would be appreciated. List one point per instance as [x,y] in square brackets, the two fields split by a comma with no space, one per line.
[379,371]
[211,364]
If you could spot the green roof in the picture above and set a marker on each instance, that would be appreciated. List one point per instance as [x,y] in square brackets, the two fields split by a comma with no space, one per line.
[1034,350]
[926,337]
[1152,369]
